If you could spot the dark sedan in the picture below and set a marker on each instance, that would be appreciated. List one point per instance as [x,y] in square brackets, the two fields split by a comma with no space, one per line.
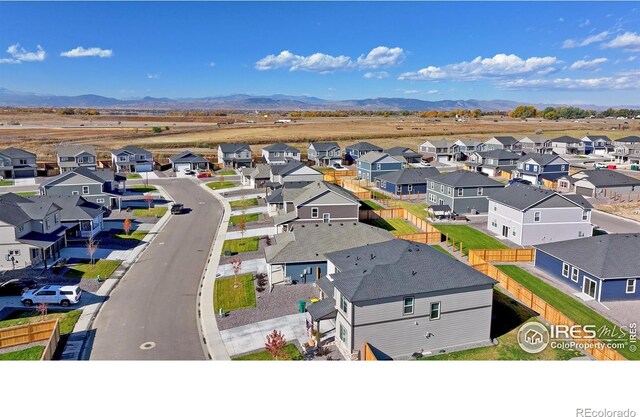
[16,286]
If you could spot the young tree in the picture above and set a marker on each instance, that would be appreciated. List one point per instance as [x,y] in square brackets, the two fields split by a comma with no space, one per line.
[126,225]
[92,247]
[148,198]
[42,309]
[275,345]
[242,224]
[236,265]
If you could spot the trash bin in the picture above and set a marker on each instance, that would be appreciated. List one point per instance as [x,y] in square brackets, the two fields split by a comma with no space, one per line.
[634,168]
[227,252]
[302,306]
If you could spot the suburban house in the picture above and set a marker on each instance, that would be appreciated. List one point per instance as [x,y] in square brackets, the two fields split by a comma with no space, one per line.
[566,145]
[30,232]
[466,146]
[597,145]
[406,181]
[294,171]
[17,163]
[71,157]
[536,144]
[627,153]
[324,153]
[534,167]
[279,153]
[507,143]
[405,155]
[132,159]
[628,140]
[599,183]
[441,150]
[355,151]
[298,256]
[318,202]
[374,164]
[604,267]
[188,160]
[283,196]
[234,155]
[462,191]
[101,186]
[82,218]
[256,176]
[529,215]
[403,298]
[492,162]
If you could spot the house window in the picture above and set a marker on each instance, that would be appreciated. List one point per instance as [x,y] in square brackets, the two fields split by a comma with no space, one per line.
[408,306]
[343,303]
[515,230]
[528,167]
[536,216]
[441,188]
[314,212]
[75,193]
[432,198]
[56,218]
[565,270]
[448,190]
[631,286]
[480,191]
[580,233]
[100,200]
[326,217]
[495,206]
[343,334]
[410,188]
[46,222]
[433,185]
[435,311]
[85,189]
[379,167]
[574,274]
[494,223]
[585,215]
[460,191]
[563,168]
[399,189]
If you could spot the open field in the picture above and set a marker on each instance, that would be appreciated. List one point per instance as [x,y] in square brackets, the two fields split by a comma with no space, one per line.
[628,210]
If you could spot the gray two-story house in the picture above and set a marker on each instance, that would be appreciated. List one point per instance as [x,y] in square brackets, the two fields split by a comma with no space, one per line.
[188,161]
[627,153]
[132,159]
[279,153]
[534,143]
[492,162]
[463,191]
[566,145]
[507,143]
[294,171]
[529,215]
[404,155]
[597,145]
[234,155]
[374,164]
[535,167]
[403,299]
[440,150]
[83,219]
[466,146]
[101,186]
[71,157]
[355,151]
[324,153]
[17,163]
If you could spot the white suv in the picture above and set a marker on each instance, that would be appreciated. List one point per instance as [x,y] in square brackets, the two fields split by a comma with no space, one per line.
[65,295]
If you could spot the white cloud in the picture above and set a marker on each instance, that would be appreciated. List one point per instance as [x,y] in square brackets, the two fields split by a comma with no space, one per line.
[81,52]
[317,62]
[153,76]
[561,19]
[212,64]
[433,92]
[628,40]
[500,65]
[376,75]
[381,56]
[621,81]
[575,43]
[410,91]
[18,54]
[587,65]
[585,22]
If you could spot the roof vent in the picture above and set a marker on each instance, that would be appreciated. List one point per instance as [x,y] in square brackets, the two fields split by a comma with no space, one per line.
[373,256]
[341,224]
[357,258]
[413,273]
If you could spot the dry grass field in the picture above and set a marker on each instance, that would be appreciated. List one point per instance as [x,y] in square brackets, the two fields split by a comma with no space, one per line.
[628,210]
[41,133]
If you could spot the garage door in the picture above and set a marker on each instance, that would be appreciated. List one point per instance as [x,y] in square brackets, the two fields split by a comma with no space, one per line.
[182,167]
[443,158]
[532,179]
[584,191]
[144,168]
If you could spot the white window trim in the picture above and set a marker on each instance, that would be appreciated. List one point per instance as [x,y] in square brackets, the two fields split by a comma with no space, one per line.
[344,304]
[539,213]
[341,331]
[409,188]
[100,200]
[404,305]
[460,192]
[626,287]
[431,311]
[565,266]
[317,211]
[480,191]
[575,274]
[83,189]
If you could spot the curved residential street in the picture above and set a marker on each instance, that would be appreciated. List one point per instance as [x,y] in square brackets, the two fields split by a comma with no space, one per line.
[152,313]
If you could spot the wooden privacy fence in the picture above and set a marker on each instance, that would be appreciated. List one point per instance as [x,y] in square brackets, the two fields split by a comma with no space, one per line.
[52,343]
[480,256]
[367,353]
[429,233]
[356,189]
[552,185]
[33,332]
[532,301]
[505,174]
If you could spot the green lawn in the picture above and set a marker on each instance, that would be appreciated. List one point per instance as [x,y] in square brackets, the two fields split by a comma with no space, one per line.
[27,194]
[443,250]
[371,205]
[143,188]
[248,218]
[508,316]
[225,172]
[568,305]
[248,202]
[217,185]
[19,317]
[34,353]
[292,352]
[134,176]
[153,212]
[228,298]
[133,235]
[247,244]
[417,209]
[103,267]
[6,183]
[395,226]
[470,237]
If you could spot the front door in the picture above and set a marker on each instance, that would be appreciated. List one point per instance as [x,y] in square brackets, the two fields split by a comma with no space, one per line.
[505,231]
[326,218]
[589,287]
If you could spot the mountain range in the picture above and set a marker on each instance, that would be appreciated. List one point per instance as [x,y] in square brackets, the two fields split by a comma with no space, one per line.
[246,102]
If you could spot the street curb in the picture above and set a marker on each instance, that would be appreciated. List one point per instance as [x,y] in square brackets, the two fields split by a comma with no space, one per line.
[214,345]
[76,347]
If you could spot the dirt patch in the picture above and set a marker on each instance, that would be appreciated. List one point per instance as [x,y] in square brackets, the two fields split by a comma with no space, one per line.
[628,210]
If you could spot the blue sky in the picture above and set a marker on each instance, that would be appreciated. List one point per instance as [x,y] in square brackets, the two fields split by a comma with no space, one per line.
[534,52]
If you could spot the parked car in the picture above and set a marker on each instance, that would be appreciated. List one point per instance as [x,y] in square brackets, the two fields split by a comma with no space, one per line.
[519,180]
[65,295]
[600,165]
[177,208]
[16,286]
[204,175]
[337,166]
[425,163]
[188,172]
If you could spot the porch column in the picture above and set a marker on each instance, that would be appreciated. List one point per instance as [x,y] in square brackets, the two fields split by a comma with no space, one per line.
[44,257]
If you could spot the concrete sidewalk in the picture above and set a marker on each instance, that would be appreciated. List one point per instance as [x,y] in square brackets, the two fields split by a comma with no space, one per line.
[262,231]
[252,265]
[246,197]
[261,209]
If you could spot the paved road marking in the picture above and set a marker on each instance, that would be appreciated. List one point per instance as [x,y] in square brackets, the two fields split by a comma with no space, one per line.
[147,345]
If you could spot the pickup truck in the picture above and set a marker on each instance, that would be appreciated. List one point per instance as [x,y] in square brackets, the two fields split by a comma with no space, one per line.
[177,208]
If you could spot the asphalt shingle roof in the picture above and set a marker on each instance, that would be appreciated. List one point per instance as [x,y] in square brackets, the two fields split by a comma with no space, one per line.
[324,146]
[629,139]
[605,256]
[607,178]
[73,207]
[566,139]
[287,168]
[465,179]
[233,147]
[371,157]
[540,158]
[98,175]
[505,140]
[136,150]
[398,268]
[499,154]
[364,146]
[17,153]
[409,176]
[187,156]
[319,187]
[280,147]
[73,150]
[522,196]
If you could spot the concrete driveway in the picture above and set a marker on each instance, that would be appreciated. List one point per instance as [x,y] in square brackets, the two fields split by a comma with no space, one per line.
[261,209]
[262,231]
[251,265]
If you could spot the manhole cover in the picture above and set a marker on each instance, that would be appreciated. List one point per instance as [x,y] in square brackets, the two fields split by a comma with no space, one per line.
[147,345]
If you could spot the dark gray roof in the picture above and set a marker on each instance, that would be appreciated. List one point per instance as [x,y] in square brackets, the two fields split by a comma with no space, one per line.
[233,147]
[187,156]
[323,309]
[371,157]
[399,268]
[12,214]
[288,168]
[465,179]
[629,139]
[444,207]
[261,171]
[326,286]
[136,150]
[16,210]
[522,196]
[541,158]
[73,207]
[597,137]
[98,175]
[364,146]
[566,139]
[607,178]
[320,187]
[536,139]
[42,240]
[324,146]
[499,154]
[409,176]
[399,150]
[280,147]
[73,150]
[17,153]
[505,140]
[604,256]
[284,218]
